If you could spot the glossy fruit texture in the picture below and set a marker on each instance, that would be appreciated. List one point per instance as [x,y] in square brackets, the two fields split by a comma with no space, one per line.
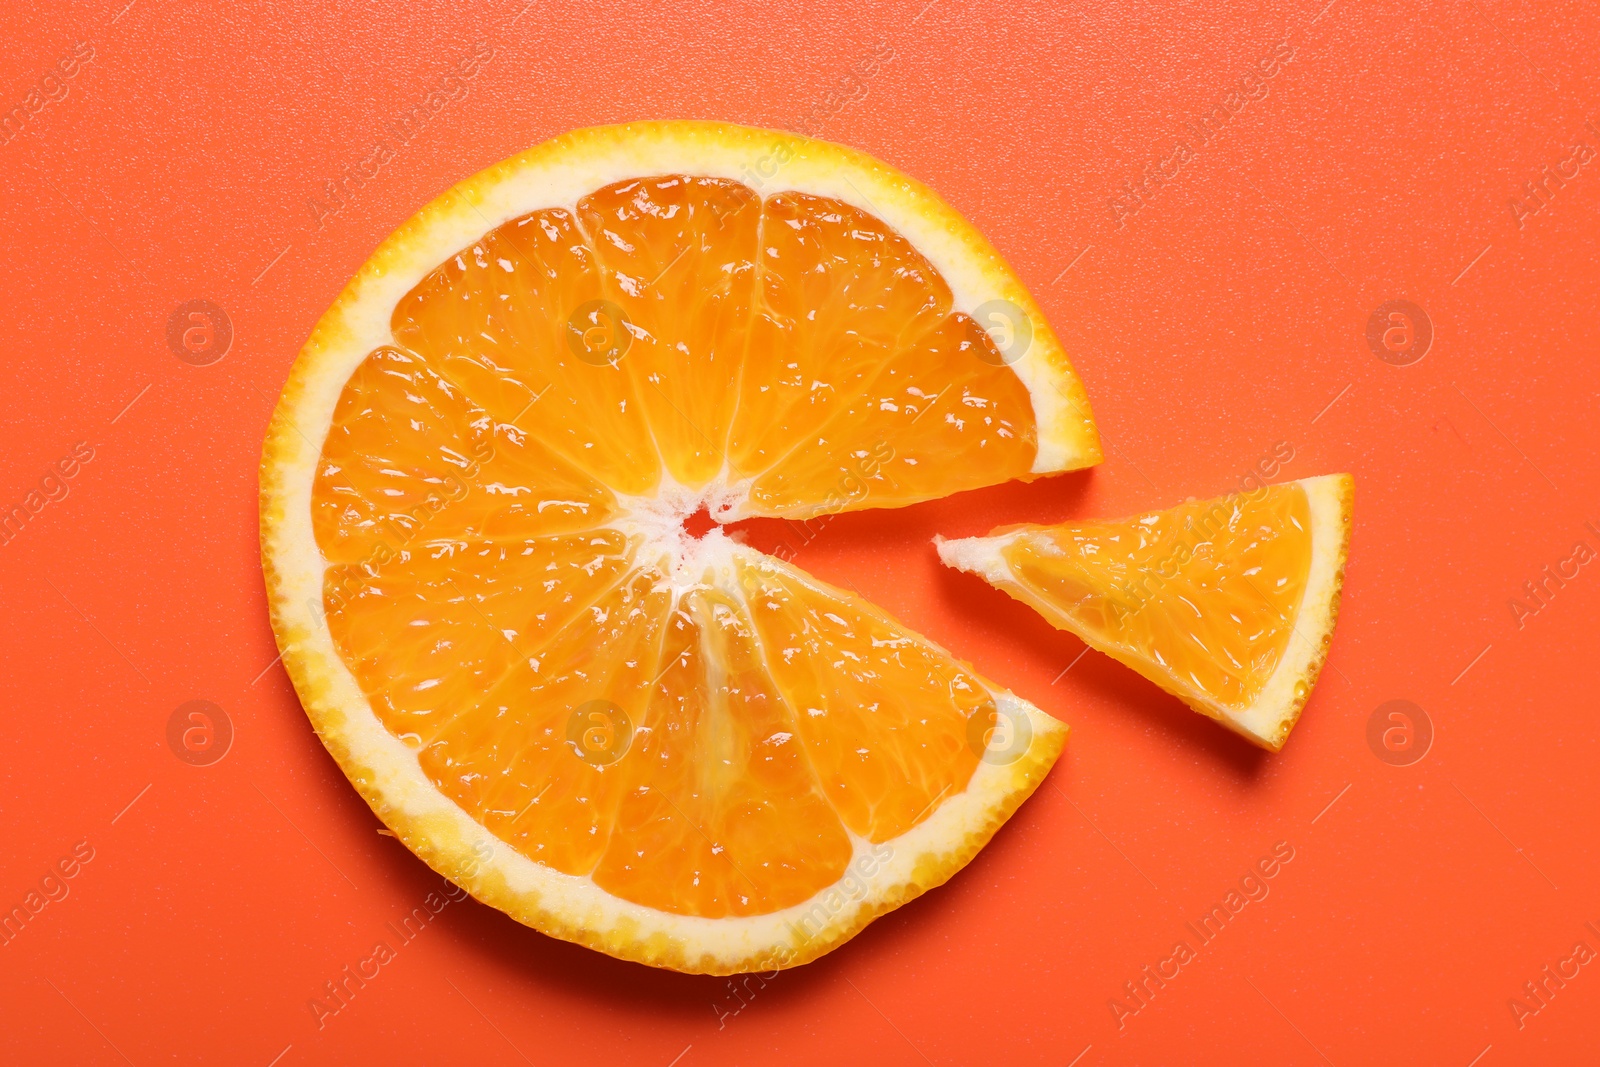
[500,496]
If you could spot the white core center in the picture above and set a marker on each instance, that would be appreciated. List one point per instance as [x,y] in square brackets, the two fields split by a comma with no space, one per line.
[689,562]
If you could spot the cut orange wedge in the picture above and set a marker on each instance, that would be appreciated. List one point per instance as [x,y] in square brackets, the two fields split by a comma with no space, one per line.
[1227,604]
[671,748]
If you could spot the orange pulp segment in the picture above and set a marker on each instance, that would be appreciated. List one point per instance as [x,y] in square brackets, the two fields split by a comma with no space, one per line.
[1228,604]
[499,499]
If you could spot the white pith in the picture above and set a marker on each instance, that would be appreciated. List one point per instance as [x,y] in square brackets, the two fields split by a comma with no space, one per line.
[389,770]
[655,524]
[1276,706]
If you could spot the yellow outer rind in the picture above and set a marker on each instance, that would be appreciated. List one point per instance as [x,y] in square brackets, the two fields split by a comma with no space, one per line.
[377,765]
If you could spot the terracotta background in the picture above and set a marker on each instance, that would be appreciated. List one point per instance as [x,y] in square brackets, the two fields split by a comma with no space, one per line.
[1224,319]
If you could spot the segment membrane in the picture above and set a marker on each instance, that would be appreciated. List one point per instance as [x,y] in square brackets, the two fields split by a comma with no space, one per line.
[513,321]
[940,416]
[724,816]
[678,257]
[883,714]
[444,621]
[409,456]
[544,759]
[841,294]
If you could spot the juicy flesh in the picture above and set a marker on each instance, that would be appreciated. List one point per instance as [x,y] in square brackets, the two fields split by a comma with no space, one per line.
[1204,595]
[501,497]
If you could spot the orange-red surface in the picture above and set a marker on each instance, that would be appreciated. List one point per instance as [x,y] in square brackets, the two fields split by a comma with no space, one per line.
[1218,311]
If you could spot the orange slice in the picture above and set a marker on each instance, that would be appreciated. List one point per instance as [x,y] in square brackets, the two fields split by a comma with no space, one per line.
[474,491]
[1227,604]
